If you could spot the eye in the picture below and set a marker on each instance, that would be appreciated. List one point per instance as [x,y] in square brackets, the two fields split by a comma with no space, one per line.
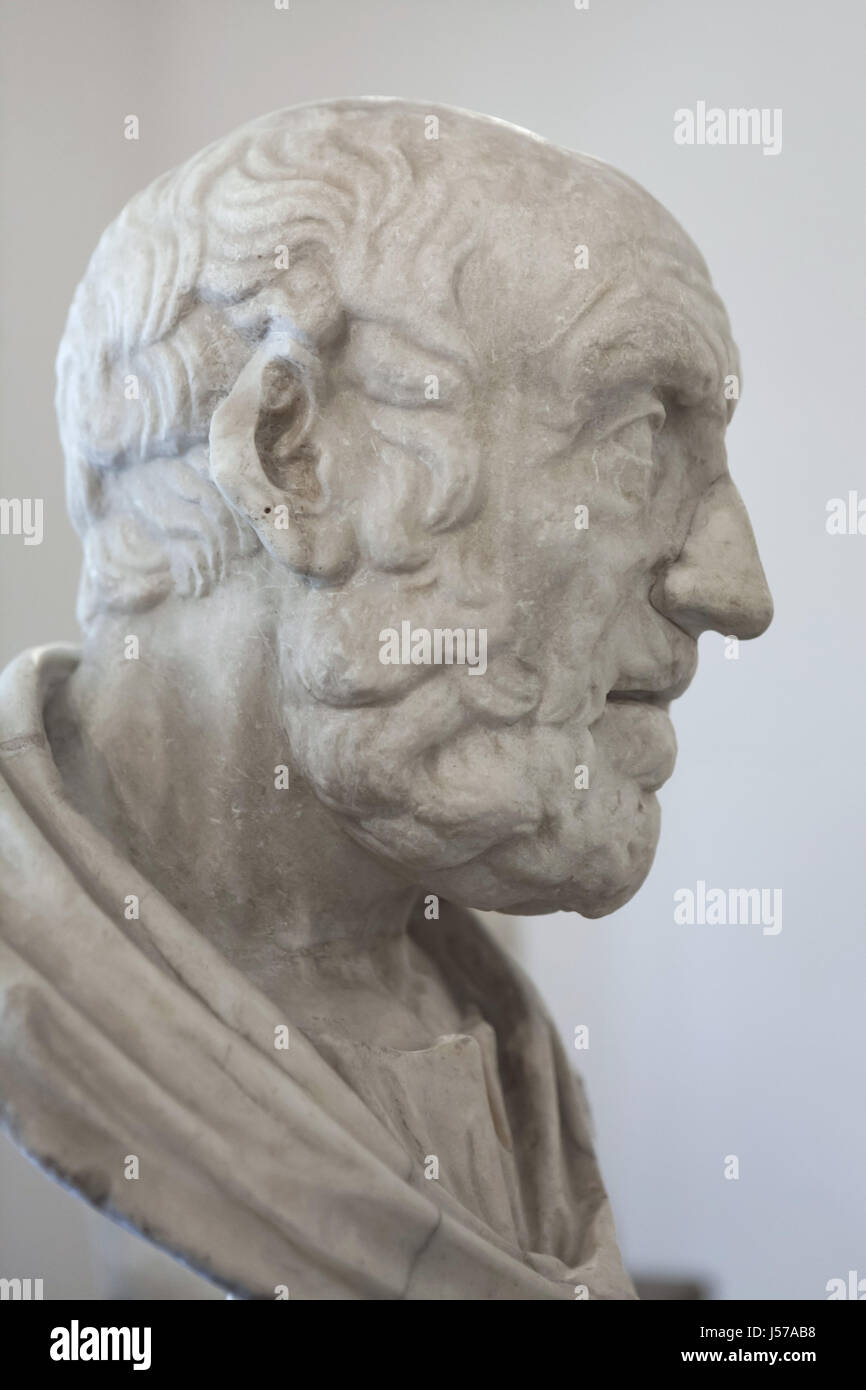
[651,416]
[625,455]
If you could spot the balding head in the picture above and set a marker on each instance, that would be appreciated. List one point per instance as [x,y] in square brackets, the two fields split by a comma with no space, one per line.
[314,224]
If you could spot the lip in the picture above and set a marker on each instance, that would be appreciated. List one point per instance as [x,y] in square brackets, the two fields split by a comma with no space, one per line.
[639,738]
[658,694]
[659,699]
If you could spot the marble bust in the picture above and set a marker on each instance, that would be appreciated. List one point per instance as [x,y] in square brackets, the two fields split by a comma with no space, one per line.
[395,442]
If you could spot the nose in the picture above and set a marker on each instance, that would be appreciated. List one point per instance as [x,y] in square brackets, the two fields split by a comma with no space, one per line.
[718,581]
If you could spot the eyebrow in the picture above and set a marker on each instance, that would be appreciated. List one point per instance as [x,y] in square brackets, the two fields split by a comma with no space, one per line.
[647,342]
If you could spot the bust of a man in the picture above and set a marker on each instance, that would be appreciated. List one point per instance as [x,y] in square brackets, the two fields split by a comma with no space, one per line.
[395,441]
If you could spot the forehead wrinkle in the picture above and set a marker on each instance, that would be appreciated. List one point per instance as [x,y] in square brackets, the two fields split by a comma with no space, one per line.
[626,334]
[581,320]
[429,326]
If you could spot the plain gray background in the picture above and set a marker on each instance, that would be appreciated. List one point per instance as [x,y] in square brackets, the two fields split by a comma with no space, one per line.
[704,1041]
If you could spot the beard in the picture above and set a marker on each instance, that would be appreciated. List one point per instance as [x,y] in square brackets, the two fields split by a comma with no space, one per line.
[466,787]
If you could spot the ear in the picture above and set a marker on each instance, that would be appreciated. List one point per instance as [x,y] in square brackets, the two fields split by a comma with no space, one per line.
[266,460]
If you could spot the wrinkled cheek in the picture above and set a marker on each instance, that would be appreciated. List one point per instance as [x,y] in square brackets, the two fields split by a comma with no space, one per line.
[563,630]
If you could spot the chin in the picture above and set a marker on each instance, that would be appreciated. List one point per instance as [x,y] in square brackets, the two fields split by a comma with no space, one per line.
[568,898]
[576,903]
[538,875]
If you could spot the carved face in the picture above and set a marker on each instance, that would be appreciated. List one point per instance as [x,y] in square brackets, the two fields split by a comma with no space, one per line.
[609,535]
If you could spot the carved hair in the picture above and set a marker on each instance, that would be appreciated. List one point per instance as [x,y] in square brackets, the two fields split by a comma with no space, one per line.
[193,274]
[306,220]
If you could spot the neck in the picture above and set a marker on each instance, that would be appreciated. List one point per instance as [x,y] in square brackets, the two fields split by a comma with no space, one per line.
[180,756]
